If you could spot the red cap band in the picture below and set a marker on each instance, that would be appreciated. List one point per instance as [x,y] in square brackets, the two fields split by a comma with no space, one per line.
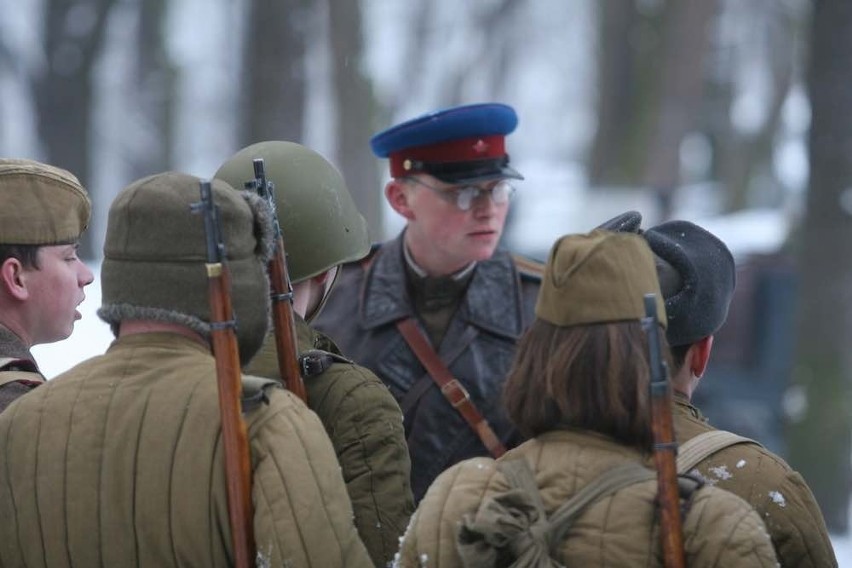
[464,150]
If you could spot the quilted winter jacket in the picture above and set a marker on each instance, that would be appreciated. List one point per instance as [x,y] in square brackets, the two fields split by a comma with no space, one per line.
[118,462]
[365,426]
[777,492]
[478,348]
[720,529]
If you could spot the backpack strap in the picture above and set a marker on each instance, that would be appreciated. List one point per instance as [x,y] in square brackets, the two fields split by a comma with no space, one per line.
[513,528]
[27,378]
[697,449]
[14,370]
[606,484]
[509,529]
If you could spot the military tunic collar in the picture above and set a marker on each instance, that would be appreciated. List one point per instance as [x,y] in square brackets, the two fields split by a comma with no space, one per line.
[158,338]
[12,347]
[683,404]
[492,301]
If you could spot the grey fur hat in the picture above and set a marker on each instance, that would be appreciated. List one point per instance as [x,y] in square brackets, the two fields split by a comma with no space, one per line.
[697,275]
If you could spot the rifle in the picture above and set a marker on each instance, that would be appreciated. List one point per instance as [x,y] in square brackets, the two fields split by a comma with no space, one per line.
[665,447]
[228,377]
[281,292]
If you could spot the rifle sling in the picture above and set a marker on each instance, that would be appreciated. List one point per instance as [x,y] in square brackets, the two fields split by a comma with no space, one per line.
[451,388]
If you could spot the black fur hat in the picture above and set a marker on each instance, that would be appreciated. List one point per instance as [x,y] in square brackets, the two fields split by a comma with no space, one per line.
[696,271]
[697,277]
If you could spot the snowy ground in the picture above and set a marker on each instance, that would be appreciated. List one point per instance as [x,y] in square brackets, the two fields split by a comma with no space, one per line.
[92,337]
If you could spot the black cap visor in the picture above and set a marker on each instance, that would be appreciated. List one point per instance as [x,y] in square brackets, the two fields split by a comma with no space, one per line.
[459,173]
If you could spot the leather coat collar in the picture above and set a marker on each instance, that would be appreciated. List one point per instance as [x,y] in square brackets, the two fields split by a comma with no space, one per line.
[492,301]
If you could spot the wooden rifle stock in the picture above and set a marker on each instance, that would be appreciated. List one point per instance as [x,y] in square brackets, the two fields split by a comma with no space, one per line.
[283,320]
[228,376]
[665,447]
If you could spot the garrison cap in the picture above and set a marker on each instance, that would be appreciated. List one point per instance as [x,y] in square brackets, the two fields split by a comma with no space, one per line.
[457,145]
[40,204]
[697,275]
[598,277]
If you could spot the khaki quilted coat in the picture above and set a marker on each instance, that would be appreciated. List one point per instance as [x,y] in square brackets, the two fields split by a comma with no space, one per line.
[720,529]
[118,462]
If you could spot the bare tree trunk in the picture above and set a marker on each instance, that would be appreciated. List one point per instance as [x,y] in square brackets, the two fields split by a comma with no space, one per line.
[355,112]
[273,85]
[617,86]
[686,43]
[742,155]
[819,434]
[73,35]
[155,81]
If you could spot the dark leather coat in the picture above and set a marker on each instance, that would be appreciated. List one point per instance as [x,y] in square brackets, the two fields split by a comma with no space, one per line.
[478,347]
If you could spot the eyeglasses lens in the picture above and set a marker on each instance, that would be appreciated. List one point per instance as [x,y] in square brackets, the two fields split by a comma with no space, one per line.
[500,194]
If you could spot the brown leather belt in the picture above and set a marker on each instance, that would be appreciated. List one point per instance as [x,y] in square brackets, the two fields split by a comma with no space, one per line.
[452,389]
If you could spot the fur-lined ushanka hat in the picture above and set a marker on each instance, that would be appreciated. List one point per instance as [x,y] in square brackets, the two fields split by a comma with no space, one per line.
[155,254]
[697,275]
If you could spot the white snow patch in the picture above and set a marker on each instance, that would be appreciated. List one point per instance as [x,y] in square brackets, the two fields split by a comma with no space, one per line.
[777,498]
[721,472]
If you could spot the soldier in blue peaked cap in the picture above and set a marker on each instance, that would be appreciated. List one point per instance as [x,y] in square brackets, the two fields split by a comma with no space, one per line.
[436,312]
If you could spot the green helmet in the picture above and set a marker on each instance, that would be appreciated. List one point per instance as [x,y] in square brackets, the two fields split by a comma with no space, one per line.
[319,221]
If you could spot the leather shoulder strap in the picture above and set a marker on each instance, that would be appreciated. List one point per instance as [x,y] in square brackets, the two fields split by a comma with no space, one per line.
[697,449]
[452,389]
[315,362]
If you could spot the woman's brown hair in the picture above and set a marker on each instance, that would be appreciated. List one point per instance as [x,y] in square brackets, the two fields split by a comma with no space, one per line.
[592,377]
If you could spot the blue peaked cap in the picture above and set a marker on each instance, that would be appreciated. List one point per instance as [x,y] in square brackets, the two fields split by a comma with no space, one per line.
[457,144]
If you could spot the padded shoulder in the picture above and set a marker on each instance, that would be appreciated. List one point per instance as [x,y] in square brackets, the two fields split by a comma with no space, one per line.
[254,391]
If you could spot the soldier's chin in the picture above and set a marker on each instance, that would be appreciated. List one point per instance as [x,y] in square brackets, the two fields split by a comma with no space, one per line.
[483,252]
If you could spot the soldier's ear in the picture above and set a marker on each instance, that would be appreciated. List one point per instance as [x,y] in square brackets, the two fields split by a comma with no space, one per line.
[12,279]
[399,197]
[701,355]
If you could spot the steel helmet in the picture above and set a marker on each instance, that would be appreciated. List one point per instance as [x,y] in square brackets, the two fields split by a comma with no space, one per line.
[319,221]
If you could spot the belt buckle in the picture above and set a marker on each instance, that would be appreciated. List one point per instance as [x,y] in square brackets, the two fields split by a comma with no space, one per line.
[453,387]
